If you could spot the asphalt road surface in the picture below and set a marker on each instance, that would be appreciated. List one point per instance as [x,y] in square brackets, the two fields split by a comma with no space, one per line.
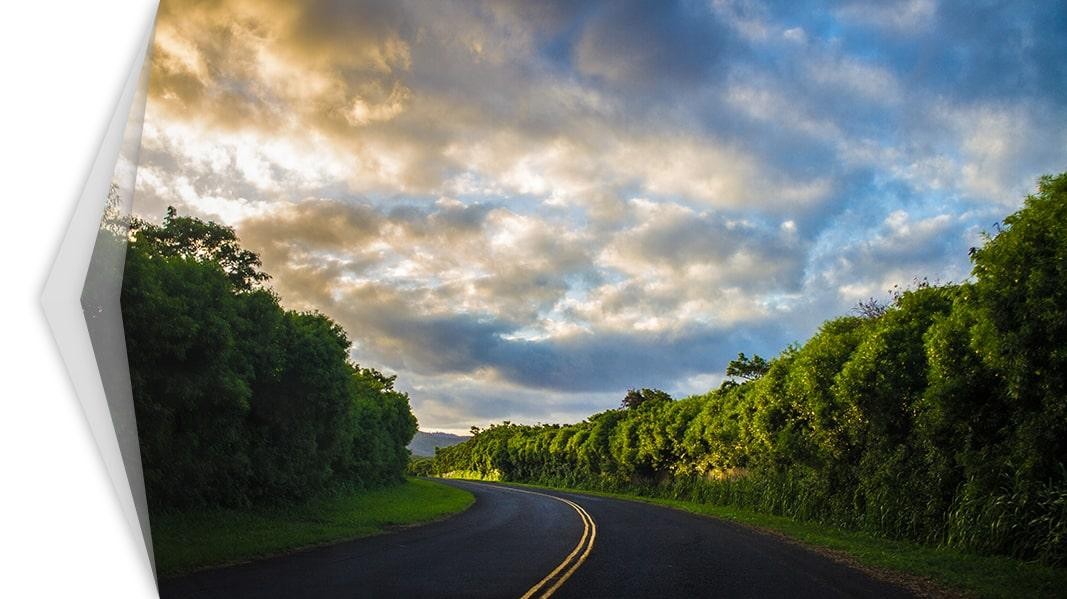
[524,543]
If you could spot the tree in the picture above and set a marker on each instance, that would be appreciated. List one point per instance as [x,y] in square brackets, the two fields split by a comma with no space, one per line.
[1021,329]
[238,400]
[635,398]
[204,241]
[747,368]
[189,379]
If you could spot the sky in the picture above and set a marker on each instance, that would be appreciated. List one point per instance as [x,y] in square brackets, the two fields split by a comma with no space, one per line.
[523,209]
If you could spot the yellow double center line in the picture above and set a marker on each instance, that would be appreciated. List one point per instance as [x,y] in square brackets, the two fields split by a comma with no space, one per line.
[574,560]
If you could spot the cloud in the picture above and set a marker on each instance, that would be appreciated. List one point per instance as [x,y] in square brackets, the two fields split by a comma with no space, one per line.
[522,208]
[897,251]
[899,16]
[448,257]
[467,289]
[684,267]
[639,44]
[856,78]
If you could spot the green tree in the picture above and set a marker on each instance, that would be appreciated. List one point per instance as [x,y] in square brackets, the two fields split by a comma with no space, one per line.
[635,398]
[1021,332]
[204,241]
[189,378]
[745,368]
[237,399]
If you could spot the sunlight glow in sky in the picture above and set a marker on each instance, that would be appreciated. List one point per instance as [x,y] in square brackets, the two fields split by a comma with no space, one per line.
[523,208]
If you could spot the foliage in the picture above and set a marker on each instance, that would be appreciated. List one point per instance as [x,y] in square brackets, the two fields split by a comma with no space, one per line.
[420,466]
[1021,324]
[746,368]
[238,400]
[636,398]
[939,418]
[202,241]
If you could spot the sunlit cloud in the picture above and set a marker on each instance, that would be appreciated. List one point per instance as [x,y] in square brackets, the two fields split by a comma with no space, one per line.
[524,208]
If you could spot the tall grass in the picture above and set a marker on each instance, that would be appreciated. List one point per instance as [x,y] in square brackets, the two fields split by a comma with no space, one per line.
[1016,521]
[1013,522]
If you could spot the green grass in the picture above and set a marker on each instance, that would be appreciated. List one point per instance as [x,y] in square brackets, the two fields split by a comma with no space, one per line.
[190,541]
[950,570]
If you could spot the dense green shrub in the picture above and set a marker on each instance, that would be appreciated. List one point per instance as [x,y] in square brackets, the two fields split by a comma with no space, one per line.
[941,418]
[237,399]
[1021,300]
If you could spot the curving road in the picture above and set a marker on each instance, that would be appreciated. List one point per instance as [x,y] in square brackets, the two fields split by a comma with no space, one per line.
[523,543]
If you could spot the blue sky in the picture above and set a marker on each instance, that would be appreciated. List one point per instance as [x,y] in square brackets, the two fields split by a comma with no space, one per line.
[522,209]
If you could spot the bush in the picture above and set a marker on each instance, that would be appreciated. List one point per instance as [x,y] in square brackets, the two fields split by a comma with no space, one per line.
[238,400]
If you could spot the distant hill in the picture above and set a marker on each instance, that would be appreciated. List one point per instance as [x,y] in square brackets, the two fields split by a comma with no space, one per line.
[424,443]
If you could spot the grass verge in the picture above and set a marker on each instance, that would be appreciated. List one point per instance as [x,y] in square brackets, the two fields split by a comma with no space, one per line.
[951,572]
[190,541]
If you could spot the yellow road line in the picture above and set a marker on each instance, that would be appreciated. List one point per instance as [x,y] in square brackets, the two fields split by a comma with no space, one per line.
[588,533]
[581,560]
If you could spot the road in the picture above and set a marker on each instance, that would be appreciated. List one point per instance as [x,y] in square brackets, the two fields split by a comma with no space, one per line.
[531,543]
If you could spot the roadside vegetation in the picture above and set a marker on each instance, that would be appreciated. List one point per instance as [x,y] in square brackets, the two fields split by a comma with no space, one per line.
[238,400]
[192,540]
[256,432]
[939,418]
[926,569]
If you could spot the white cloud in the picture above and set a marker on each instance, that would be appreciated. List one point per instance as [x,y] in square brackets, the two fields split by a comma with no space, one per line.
[865,80]
[900,16]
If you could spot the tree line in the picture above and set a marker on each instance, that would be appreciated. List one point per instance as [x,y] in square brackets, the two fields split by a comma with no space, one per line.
[238,400]
[940,417]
